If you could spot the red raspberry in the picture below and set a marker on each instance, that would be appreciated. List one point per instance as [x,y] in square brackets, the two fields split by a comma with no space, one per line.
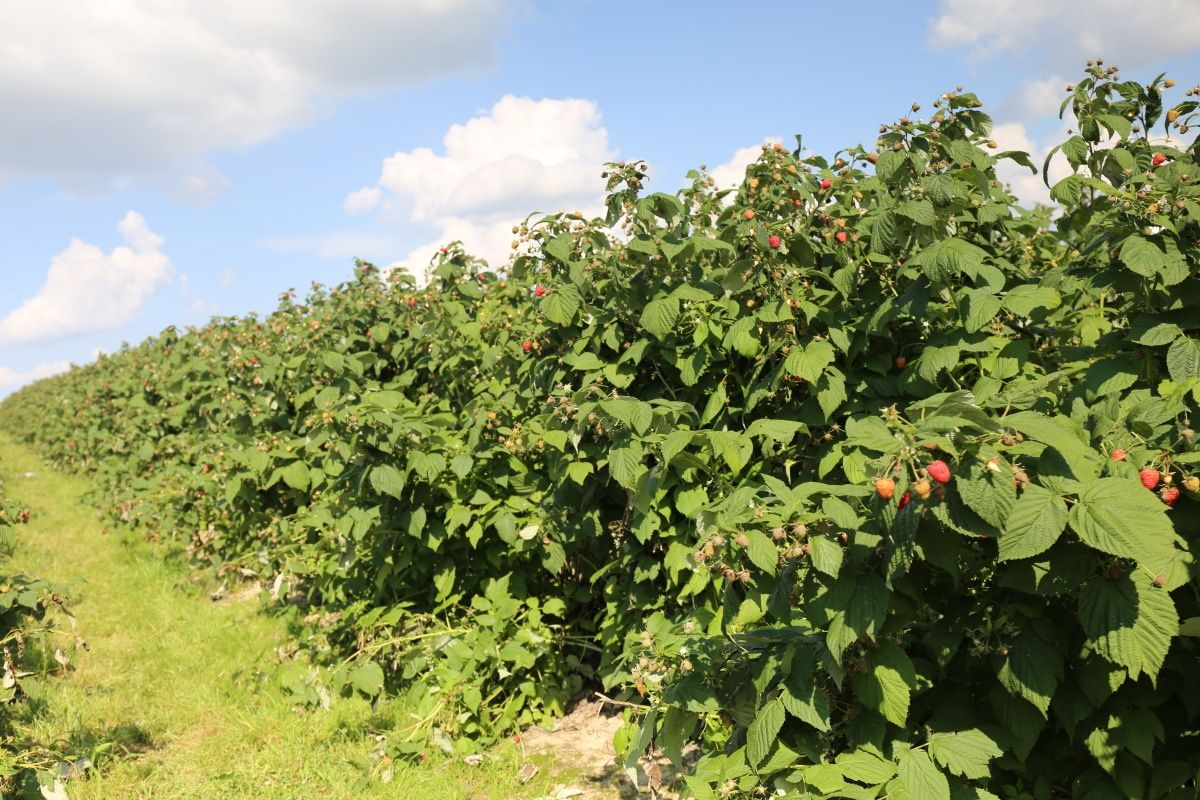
[826,184]
[905,499]
[1158,159]
[939,471]
[1170,495]
[526,345]
[412,302]
[539,291]
[1118,455]
[1149,477]
[840,236]
[774,241]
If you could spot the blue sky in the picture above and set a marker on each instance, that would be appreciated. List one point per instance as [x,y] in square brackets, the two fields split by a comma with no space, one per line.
[165,162]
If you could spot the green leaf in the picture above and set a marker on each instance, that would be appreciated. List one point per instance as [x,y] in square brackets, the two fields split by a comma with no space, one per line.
[1183,359]
[948,257]
[1119,517]
[826,555]
[368,678]
[919,211]
[1036,521]
[660,316]
[964,753]
[887,684]
[810,361]
[918,774]
[1023,300]
[625,465]
[1158,334]
[1142,256]
[761,734]
[1031,670]
[781,430]
[1130,621]
[296,475]
[762,551]
[982,307]
[562,304]
[865,767]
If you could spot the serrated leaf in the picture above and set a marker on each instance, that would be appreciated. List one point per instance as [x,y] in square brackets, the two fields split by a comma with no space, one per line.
[966,753]
[625,464]
[562,304]
[659,316]
[808,362]
[1158,335]
[296,475]
[761,734]
[1130,621]
[888,683]
[920,776]
[1119,517]
[1183,359]
[1032,670]
[1142,256]
[826,555]
[1036,521]
[761,551]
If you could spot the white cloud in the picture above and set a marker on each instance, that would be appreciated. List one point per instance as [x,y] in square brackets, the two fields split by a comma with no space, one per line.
[11,379]
[87,290]
[1039,98]
[200,186]
[95,91]
[1065,33]
[521,156]
[227,277]
[731,174]
[363,200]
[338,246]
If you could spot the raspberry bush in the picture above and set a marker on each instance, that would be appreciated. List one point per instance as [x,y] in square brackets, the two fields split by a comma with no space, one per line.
[844,474]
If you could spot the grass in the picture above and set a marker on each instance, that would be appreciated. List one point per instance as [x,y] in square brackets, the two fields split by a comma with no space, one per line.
[175,695]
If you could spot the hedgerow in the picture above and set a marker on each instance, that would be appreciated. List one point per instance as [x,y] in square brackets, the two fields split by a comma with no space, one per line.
[861,475]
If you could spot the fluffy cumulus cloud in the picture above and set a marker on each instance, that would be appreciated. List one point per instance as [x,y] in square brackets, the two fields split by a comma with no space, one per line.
[11,379]
[89,290]
[94,91]
[522,156]
[730,174]
[1065,33]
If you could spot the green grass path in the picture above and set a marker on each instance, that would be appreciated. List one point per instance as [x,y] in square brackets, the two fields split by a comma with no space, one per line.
[180,688]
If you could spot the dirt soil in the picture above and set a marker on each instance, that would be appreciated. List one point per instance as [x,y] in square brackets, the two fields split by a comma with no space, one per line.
[582,742]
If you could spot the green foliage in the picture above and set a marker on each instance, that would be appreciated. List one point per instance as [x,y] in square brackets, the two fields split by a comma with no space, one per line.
[645,455]
[30,648]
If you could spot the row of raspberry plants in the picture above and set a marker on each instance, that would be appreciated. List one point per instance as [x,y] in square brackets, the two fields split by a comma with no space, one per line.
[864,477]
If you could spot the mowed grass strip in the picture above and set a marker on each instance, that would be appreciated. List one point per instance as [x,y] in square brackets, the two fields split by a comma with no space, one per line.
[176,693]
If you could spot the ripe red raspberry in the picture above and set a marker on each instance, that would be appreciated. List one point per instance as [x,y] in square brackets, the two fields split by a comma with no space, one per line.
[1118,454]
[1149,477]
[445,250]
[840,236]
[939,471]
[748,213]
[885,488]
[826,184]
[905,499]
[526,345]
[774,241]
[1170,495]
[1158,159]
[539,291]
[412,302]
